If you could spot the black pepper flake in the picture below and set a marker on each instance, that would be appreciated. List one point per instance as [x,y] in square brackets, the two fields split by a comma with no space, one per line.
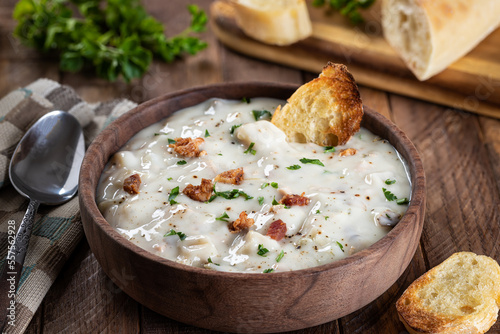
[342,192]
[195,177]
[357,195]
[228,208]
[233,142]
[368,197]
[298,247]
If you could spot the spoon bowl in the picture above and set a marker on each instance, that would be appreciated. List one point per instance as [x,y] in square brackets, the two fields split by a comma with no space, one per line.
[44,168]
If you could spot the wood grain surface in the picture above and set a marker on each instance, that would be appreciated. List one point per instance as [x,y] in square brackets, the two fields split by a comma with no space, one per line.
[460,152]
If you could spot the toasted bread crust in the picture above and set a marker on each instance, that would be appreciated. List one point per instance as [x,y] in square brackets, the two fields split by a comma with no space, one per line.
[326,111]
[461,295]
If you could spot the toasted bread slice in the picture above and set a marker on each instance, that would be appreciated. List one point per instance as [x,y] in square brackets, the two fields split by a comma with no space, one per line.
[279,22]
[461,295]
[326,111]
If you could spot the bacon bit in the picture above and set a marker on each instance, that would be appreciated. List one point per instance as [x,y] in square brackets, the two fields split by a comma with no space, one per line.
[132,183]
[200,193]
[277,230]
[188,147]
[290,200]
[347,152]
[241,223]
[233,176]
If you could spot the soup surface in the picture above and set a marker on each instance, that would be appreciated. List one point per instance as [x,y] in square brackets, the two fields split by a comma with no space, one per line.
[280,206]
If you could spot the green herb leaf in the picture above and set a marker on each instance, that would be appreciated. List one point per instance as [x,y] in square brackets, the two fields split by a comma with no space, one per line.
[207,134]
[234,127]
[389,181]
[329,149]
[267,271]
[348,8]
[173,194]
[261,200]
[181,235]
[318,212]
[262,251]
[326,217]
[402,201]
[340,245]
[275,202]
[264,185]
[112,38]
[210,261]
[250,149]
[274,185]
[245,100]
[258,114]
[169,179]
[181,162]
[294,167]
[171,141]
[229,194]
[280,256]
[224,217]
[311,161]
[390,196]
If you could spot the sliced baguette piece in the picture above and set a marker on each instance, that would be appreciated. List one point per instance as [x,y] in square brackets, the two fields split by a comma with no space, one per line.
[460,295]
[279,22]
[431,34]
[326,111]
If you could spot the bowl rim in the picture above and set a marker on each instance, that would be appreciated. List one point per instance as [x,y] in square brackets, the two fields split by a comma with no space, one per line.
[88,198]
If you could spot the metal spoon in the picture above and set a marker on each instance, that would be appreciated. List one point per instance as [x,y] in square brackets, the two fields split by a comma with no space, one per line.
[44,168]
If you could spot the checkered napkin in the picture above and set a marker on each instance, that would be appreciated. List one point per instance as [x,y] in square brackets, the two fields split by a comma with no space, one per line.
[57,229]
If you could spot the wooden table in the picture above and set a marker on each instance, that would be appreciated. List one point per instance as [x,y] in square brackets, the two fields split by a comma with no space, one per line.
[460,151]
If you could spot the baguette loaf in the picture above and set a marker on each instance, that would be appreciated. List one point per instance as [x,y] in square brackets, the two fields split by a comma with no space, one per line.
[431,34]
[326,111]
[279,22]
[461,295]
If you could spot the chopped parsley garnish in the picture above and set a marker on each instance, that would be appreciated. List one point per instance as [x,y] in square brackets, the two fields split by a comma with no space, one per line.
[280,256]
[326,217]
[171,141]
[340,245]
[207,134]
[169,179]
[294,167]
[311,161]
[219,154]
[402,201]
[181,235]
[181,162]
[234,127]
[224,217]
[160,133]
[245,100]
[275,202]
[318,212]
[258,114]
[173,194]
[262,251]
[264,185]
[229,194]
[274,185]
[210,261]
[390,196]
[329,149]
[250,149]
[261,200]
[267,271]
[389,181]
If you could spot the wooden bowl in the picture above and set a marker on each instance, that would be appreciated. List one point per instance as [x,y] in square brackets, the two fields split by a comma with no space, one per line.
[243,302]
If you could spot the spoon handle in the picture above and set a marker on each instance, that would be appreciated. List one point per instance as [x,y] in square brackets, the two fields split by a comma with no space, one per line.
[13,266]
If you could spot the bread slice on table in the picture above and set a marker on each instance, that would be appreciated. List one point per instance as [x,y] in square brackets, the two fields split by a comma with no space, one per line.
[461,295]
[431,34]
[326,111]
[279,22]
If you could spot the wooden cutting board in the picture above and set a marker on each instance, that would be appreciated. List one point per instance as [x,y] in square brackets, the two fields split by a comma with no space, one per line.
[471,83]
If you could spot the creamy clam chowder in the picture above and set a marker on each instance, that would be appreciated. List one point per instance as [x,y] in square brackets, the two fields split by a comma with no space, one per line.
[239,197]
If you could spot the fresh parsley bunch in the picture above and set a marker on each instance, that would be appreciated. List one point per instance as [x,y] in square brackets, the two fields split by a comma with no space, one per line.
[115,37]
[348,8]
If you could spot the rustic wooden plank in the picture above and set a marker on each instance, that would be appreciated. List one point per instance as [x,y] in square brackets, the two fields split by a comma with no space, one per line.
[84,300]
[463,212]
[376,99]
[491,137]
